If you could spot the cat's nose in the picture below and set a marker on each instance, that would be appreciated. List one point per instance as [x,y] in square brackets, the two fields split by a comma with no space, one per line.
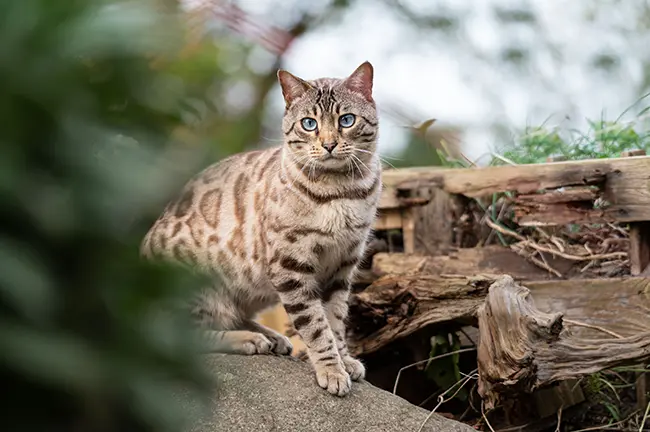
[329,146]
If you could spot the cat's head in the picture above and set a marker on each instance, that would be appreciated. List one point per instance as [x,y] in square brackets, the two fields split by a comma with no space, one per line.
[330,123]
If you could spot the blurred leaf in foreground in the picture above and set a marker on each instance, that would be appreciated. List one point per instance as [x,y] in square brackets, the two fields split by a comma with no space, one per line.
[94,95]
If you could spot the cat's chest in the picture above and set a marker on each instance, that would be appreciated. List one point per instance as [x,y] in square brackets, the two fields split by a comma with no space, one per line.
[345,216]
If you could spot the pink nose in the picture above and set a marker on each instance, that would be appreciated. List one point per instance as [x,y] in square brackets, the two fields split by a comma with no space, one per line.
[330,146]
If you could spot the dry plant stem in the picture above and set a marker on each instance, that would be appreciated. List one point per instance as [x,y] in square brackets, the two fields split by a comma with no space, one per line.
[487,422]
[442,400]
[520,251]
[470,375]
[602,329]
[489,216]
[559,420]
[645,417]
[609,425]
[575,257]
[526,242]
[399,373]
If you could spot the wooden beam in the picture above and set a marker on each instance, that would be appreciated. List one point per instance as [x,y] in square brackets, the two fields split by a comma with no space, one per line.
[639,236]
[624,182]
[388,220]
[639,248]
[491,259]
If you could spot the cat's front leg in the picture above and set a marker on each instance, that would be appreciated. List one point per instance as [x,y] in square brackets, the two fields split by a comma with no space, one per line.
[335,299]
[300,295]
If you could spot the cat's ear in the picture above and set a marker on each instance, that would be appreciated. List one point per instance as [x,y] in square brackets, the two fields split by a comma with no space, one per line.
[292,86]
[361,80]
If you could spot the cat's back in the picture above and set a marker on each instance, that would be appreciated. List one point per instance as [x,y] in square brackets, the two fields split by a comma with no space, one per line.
[210,214]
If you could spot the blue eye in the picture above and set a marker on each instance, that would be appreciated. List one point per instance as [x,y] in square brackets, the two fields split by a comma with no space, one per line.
[309,124]
[346,120]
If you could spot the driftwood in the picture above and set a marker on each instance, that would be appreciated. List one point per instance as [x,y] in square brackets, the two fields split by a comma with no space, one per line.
[522,348]
[395,306]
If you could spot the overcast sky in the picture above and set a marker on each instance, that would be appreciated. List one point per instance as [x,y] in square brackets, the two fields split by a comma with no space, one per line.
[460,79]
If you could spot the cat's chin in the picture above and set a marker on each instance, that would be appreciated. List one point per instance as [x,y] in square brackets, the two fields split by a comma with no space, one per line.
[333,163]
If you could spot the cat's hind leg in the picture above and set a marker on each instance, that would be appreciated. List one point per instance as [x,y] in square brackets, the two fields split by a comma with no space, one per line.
[281,344]
[236,342]
[226,327]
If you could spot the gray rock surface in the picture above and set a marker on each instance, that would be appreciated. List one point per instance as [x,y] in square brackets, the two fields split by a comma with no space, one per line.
[266,393]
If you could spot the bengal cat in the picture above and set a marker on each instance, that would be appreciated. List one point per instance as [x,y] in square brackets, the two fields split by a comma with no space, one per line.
[286,224]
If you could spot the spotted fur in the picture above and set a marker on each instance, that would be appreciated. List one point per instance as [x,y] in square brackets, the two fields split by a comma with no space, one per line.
[287,224]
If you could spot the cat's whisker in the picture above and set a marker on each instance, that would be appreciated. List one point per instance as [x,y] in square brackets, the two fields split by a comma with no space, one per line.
[361,162]
[387,163]
[274,140]
[383,159]
[356,166]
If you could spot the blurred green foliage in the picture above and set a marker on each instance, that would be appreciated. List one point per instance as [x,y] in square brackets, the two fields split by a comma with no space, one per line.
[601,139]
[97,134]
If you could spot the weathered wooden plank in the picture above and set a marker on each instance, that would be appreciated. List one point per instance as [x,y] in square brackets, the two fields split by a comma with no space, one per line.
[556,196]
[392,199]
[491,259]
[625,182]
[639,251]
[434,222]
[639,247]
[559,214]
[388,219]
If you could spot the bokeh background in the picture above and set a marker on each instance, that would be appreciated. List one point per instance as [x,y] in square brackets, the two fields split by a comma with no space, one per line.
[491,73]
[108,106]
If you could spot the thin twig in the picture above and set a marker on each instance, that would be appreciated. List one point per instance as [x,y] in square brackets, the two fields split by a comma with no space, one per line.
[526,242]
[519,250]
[608,425]
[487,422]
[588,266]
[435,394]
[442,400]
[559,419]
[576,257]
[504,230]
[645,417]
[462,330]
[595,327]
[515,428]
[399,373]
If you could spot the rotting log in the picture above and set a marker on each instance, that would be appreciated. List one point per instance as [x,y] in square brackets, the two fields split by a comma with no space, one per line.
[395,306]
[522,348]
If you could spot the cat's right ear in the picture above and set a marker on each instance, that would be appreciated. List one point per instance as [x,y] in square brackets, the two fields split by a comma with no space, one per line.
[292,86]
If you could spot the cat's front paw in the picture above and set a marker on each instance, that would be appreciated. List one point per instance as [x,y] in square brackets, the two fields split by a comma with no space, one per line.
[355,368]
[334,379]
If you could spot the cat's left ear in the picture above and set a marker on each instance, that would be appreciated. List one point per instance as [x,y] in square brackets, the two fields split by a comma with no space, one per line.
[292,86]
[361,80]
